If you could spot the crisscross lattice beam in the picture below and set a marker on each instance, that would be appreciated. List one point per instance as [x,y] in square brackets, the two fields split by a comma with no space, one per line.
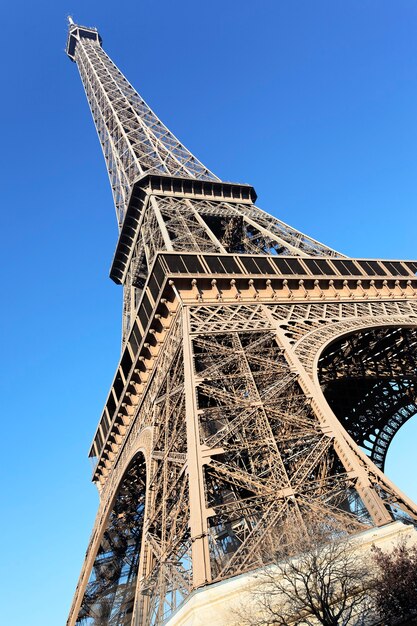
[133,138]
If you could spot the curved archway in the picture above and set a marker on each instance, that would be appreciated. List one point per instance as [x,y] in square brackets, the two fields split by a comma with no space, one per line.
[110,592]
[369,379]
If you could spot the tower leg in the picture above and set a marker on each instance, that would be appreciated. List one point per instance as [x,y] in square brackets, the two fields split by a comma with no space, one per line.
[198,517]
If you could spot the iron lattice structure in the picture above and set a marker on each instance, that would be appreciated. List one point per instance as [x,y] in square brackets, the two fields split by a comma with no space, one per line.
[261,381]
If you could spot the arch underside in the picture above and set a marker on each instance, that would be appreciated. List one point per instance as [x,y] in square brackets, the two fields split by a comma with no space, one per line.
[369,379]
[110,592]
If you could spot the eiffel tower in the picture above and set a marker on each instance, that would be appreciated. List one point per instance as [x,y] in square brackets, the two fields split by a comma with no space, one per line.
[262,376]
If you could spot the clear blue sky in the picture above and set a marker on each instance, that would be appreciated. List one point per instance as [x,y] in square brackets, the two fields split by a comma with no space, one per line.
[314,103]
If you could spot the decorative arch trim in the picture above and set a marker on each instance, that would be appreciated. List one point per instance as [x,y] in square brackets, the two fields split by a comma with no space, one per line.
[309,348]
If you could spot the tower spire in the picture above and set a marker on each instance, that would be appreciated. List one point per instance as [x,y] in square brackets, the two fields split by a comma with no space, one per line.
[133,138]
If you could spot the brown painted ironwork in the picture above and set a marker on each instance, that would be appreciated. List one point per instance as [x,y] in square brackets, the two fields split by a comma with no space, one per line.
[262,375]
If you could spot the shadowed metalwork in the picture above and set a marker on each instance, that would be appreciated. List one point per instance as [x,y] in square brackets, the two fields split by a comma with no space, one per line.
[110,592]
[369,379]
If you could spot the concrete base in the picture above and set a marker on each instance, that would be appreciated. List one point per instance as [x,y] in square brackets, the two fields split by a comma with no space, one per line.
[216,604]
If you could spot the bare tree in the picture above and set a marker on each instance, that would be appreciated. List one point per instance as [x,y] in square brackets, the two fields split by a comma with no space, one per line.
[396,582]
[326,583]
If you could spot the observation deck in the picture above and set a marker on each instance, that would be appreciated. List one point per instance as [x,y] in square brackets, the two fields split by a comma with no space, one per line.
[75,33]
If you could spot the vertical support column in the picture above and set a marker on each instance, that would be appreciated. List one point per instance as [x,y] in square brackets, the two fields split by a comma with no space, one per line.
[142,600]
[161,224]
[203,225]
[198,517]
[330,424]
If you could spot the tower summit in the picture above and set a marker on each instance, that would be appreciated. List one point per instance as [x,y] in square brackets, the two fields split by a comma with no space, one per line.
[136,144]
[262,377]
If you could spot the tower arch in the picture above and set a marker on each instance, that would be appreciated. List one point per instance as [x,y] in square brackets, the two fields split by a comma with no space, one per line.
[369,379]
[110,592]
